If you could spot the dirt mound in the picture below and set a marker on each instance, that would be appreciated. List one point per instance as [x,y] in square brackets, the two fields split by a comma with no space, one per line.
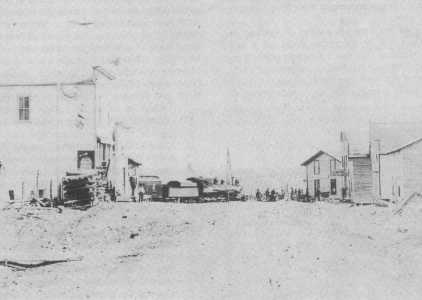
[106,230]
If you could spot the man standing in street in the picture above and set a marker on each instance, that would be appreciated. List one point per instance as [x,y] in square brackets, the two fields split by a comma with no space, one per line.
[141,192]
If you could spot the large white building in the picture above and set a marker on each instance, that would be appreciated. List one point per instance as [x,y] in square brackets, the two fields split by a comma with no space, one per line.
[46,130]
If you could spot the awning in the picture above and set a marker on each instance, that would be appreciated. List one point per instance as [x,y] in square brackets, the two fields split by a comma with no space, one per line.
[133,162]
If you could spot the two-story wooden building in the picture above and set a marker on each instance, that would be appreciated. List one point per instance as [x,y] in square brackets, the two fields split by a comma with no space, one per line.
[48,129]
[323,176]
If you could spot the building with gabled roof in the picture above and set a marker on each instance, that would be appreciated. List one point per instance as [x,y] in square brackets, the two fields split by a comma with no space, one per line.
[323,176]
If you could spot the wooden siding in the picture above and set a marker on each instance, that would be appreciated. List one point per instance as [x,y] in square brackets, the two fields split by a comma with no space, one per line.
[392,176]
[374,149]
[401,171]
[45,147]
[361,179]
[412,170]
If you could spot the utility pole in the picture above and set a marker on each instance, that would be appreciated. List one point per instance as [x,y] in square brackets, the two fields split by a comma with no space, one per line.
[228,172]
[228,167]
[379,166]
[345,164]
[37,190]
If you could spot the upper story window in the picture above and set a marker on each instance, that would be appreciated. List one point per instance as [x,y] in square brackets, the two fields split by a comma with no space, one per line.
[316,167]
[24,108]
[333,166]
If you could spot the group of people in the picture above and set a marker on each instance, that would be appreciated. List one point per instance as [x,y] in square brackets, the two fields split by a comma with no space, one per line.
[139,187]
[294,194]
[297,194]
[269,195]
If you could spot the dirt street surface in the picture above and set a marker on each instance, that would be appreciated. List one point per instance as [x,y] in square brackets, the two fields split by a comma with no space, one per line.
[250,250]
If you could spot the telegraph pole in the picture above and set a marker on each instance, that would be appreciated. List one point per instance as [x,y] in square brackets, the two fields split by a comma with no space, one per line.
[228,172]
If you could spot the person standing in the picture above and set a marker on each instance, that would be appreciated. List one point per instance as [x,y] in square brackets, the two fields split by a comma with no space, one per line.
[141,192]
[258,195]
[273,195]
[132,182]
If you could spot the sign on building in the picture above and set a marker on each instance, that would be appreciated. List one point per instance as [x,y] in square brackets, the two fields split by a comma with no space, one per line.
[86,160]
[340,172]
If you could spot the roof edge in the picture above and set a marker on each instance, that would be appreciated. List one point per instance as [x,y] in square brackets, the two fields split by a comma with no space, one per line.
[316,155]
[82,82]
[402,147]
[134,162]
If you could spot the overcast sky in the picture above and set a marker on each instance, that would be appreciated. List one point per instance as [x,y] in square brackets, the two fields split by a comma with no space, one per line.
[272,80]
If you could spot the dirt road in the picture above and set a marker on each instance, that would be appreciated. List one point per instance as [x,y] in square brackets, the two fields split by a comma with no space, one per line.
[282,250]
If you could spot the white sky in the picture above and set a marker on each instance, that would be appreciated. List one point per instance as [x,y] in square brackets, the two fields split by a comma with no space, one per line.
[272,80]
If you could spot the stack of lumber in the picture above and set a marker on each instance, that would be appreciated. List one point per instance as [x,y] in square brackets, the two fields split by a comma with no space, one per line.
[79,191]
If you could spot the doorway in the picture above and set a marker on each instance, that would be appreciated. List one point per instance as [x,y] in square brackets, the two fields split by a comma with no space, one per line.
[333,187]
[317,190]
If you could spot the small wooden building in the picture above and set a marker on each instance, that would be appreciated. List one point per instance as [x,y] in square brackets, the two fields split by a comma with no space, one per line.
[323,176]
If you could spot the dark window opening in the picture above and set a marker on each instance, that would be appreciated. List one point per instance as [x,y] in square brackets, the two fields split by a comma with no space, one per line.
[333,185]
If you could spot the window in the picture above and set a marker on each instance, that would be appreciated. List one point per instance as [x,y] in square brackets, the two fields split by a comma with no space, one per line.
[333,185]
[333,166]
[316,167]
[24,108]
[104,152]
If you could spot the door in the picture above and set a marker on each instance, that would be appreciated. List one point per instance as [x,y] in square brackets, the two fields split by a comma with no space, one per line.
[317,189]
[333,186]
